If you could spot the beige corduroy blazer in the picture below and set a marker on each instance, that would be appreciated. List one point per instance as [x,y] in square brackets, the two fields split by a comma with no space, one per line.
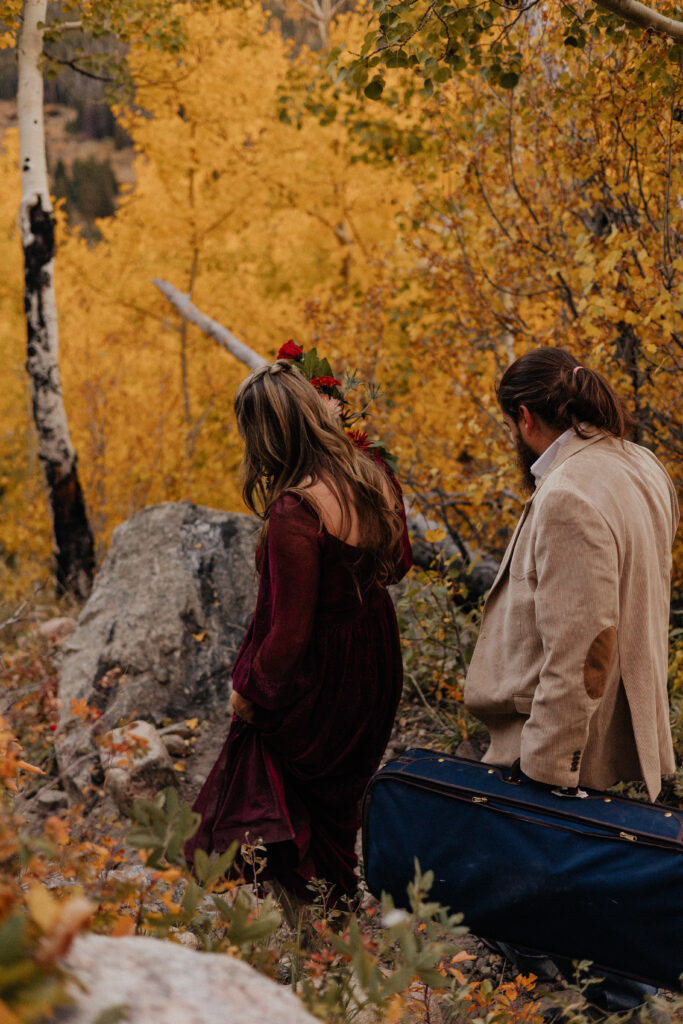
[570,669]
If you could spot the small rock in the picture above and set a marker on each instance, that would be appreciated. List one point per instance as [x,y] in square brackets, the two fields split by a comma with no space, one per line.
[136,764]
[175,744]
[188,939]
[52,798]
[57,629]
[177,729]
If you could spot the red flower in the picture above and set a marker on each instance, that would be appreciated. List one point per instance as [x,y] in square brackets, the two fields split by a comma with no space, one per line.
[325,382]
[290,350]
[359,438]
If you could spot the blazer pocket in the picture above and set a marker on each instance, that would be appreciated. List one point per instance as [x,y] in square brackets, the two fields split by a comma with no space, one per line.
[522,703]
[520,569]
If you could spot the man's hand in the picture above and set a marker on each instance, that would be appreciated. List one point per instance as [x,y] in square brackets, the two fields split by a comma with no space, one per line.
[243,708]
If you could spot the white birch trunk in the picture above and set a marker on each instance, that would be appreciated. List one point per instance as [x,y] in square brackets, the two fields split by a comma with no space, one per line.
[72,536]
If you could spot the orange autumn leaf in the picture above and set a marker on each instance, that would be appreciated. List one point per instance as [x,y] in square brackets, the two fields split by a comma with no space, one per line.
[8,1016]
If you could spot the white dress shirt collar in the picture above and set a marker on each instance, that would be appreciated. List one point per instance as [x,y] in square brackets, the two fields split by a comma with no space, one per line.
[545,460]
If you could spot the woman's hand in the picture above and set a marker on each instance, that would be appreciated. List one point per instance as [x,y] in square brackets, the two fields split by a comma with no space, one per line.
[242,707]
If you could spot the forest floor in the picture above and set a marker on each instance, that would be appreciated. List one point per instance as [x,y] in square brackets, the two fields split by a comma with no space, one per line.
[28,681]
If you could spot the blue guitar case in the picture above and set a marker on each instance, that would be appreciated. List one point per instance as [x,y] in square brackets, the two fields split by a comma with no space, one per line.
[597,879]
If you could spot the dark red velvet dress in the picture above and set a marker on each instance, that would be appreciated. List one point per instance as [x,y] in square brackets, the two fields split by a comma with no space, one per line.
[322,662]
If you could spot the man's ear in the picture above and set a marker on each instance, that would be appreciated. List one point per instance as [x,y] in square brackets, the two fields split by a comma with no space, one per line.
[526,419]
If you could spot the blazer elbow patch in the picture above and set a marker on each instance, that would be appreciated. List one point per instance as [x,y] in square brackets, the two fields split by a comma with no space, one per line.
[598,662]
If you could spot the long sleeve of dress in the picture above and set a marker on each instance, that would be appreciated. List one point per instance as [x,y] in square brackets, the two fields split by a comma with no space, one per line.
[276,675]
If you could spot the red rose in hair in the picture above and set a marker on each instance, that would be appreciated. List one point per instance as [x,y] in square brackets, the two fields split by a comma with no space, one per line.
[324,382]
[290,350]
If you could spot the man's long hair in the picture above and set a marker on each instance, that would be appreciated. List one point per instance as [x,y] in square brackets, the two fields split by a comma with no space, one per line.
[291,436]
[551,383]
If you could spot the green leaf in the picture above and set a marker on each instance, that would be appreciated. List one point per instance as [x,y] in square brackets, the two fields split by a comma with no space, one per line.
[374,89]
[113,1015]
[12,939]
[221,866]
[202,864]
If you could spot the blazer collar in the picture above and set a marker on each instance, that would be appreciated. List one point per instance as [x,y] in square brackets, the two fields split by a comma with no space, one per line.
[571,446]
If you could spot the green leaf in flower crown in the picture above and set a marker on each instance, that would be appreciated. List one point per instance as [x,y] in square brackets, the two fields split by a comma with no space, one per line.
[378,448]
[310,364]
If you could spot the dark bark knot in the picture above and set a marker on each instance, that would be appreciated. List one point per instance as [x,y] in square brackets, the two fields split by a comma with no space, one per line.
[42,248]
[75,549]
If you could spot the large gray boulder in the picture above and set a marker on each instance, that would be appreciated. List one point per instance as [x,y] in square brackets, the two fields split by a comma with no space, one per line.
[159,634]
[151,981]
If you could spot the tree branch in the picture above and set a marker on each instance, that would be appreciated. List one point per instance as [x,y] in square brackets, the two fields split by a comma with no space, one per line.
[225,338]
[638,14]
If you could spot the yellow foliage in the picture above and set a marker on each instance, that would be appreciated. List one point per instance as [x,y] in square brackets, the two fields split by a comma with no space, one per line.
[253,216]
[543,215]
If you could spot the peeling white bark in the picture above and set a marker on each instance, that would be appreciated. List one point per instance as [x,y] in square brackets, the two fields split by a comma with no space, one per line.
[225,338]
[73,539]
[37,233]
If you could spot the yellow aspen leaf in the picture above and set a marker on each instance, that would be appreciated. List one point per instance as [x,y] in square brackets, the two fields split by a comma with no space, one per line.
[191,723]
[434,536]
[72,915]
[199,637]
[179,766]
[42,906]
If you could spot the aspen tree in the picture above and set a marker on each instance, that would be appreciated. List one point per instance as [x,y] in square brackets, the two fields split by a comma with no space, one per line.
[73,539]
[158,25]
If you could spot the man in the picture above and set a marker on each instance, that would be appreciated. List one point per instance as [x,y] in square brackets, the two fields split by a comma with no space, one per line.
[570,670]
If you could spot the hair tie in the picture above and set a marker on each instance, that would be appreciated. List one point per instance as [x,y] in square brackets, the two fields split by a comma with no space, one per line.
[576,370]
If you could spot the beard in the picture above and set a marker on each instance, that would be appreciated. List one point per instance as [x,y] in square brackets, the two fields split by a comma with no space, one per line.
[526,457]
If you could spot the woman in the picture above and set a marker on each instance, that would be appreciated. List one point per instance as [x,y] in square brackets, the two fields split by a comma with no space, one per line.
[318,677]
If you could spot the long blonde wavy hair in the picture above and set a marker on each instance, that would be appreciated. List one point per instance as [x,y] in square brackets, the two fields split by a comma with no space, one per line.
[291,437]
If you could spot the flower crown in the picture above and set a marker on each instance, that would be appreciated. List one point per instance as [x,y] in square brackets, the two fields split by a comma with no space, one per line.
[319,373]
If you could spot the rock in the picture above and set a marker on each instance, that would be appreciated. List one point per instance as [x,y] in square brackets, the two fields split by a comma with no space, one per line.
[52,798]
[188,939]
[58,629]
[136,764]
[159,634]
[164,981]
[177,729]
[175,744]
